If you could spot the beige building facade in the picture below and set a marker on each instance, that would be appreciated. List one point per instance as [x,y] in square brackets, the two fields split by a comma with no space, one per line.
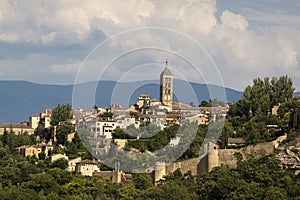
[16,128]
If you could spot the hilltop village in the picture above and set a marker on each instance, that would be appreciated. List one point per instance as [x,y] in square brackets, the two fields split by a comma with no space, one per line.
[54,135]
[102,122]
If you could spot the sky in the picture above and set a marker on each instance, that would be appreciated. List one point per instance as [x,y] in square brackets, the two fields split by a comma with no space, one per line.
[223,42]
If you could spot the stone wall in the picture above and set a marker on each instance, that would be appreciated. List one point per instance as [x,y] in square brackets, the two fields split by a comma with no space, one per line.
[114,176]
[160,171]
[226,157]
[258,149]
[184,166]
[215,157]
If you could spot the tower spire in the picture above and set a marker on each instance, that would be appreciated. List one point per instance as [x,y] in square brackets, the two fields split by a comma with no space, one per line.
[166,86]
[166,70]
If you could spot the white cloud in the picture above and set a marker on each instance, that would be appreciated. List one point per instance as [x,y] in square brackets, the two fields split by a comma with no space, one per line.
[278,17]
[234,21]
[35,21]
[65,68]
[241,52]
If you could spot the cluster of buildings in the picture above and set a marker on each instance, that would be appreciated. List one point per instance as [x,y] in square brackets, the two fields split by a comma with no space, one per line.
[77,165]
[37,120]
[101,122]
[163,112]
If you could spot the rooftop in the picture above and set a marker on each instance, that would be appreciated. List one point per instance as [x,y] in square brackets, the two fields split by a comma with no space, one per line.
[91,162]
[9,125]
[166,71]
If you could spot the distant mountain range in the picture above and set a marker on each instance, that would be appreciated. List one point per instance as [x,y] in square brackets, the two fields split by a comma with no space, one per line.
[20,99]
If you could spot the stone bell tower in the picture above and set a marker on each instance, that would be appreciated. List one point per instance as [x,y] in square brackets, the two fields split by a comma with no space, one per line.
[166,87]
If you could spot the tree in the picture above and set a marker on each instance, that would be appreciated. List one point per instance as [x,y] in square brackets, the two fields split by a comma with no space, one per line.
[194,150]
[43,133]
[256,132]
[42,156]
[142,181]
[60,163]
[282,90]
[216,102]
[42,182]
[11,140]
[95,107]
[259,98]
[119,133]
[204,104]
[61,113]
[106,115]
[226,132]
[62,132]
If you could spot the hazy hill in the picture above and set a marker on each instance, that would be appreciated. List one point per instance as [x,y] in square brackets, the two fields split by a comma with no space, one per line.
[20,99]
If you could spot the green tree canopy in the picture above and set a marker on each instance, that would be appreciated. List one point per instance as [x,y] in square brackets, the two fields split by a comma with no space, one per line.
[60,163]
[61,113]
[259,98]
[62,132]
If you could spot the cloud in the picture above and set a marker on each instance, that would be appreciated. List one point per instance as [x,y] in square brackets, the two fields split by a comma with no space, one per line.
[55,36]
[234,21]
[279,18]
[65,68]
[74,20]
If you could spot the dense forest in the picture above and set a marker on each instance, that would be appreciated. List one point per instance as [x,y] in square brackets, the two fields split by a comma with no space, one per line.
[255,178]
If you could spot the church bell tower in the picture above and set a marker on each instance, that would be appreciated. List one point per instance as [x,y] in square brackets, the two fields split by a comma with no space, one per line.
[166,87]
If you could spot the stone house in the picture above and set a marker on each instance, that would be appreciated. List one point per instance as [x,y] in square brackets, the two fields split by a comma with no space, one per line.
[72,164]
[87,167]
[236,142]
[16,128]
[43,119]
[58,156]
[27,150]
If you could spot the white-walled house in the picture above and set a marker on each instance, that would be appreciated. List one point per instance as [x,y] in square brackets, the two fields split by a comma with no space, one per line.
[125,121]
[34,121]
[58,156]
[87,167]
[102,127]
[43,119]
[174,141]
[72,164]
